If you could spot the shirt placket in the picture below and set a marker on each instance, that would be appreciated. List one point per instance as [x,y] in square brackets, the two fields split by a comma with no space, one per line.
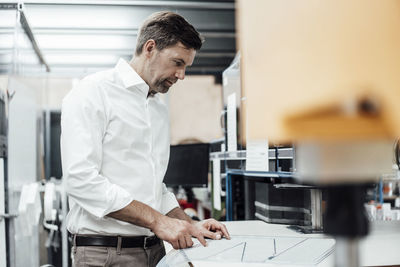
[151,138]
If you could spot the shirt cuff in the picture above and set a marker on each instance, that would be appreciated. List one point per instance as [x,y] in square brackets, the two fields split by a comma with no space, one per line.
[113,198]
[169,202]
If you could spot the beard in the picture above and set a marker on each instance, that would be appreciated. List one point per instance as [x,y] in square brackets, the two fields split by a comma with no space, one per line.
[162,86]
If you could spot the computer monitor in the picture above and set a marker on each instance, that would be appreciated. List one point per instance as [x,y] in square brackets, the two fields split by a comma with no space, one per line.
[188,166]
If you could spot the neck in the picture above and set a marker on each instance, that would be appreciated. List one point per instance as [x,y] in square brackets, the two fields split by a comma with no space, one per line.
[138,64]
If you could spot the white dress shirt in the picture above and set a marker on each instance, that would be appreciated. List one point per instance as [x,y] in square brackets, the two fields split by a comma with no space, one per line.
[115,149]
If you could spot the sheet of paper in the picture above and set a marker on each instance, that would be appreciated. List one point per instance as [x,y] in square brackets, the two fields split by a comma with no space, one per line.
[231,121]
[217,184]
[280,250]
[257,155]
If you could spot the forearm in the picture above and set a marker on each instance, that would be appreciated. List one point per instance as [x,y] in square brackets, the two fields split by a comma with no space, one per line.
[138,213]
[176,228]
[178,213]
[170,228]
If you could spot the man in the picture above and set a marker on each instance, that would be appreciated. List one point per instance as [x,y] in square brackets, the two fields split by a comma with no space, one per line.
[115,149]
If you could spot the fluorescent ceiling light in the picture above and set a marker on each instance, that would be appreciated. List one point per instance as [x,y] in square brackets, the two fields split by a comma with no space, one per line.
[98,17]
[76,59]
[8,18]
[7,41]
[66,41]
[5,58]
[28,58]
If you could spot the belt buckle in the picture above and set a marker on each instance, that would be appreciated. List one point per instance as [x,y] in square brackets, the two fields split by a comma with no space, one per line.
[145,242]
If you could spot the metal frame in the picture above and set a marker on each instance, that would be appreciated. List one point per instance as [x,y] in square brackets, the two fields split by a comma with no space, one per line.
[19,6]
[178,4]
[60,186]
[121,31]
[5,215]
[9,5]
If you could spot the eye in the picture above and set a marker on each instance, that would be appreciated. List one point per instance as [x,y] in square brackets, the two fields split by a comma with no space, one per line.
[178,63]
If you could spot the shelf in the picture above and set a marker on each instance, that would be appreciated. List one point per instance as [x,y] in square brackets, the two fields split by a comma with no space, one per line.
[261,174]
[390,197]
[283,153]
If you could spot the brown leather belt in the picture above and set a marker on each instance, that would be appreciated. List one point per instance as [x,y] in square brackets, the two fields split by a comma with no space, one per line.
[112,241]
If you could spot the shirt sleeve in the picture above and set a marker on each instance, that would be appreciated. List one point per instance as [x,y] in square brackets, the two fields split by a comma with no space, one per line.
[83,125]
[169,201]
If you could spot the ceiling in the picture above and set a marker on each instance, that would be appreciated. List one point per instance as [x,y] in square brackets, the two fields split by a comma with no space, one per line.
[80,37]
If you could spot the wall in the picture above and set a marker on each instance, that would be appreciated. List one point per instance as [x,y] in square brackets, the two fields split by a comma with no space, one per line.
[195,108]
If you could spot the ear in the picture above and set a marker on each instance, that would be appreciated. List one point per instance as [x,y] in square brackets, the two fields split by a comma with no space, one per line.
[149,47]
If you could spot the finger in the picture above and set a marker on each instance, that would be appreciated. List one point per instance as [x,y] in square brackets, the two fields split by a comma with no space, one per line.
[213,225]
[219,232]
[221,228]
[225,231]
[189,241]
[208,224]
[201,239]
[182,242]
[211,235]
[175,244]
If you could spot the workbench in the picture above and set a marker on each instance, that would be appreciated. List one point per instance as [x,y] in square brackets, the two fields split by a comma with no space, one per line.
[380,248]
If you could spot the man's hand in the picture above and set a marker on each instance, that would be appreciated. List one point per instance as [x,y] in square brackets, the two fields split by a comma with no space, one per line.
[212,229]
[179,232]
[176,228]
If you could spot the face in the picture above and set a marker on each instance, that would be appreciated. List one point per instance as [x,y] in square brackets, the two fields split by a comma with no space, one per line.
[165,67]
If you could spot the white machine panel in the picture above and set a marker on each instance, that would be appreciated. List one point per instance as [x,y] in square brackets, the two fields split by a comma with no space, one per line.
[247,249]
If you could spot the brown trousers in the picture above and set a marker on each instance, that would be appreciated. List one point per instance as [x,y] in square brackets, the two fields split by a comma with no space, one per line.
[117,257]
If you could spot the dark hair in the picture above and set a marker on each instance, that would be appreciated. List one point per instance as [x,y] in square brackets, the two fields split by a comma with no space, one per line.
[166,29]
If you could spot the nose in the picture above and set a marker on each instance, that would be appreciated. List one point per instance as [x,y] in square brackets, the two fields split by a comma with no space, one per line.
[180,74]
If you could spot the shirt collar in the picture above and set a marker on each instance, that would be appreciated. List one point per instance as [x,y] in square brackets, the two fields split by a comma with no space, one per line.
[129,77]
